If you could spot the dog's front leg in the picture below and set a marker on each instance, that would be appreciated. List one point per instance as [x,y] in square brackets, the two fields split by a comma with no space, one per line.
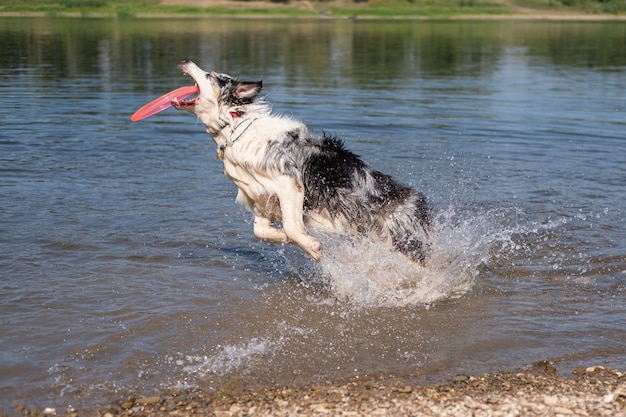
[264,230]
[291,197]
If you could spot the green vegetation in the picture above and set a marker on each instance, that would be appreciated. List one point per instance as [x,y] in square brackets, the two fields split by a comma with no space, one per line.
[433,8]
[133,8]
[441,8]
[585,6]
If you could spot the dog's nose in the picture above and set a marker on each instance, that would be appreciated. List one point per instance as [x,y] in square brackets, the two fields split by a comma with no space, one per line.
[185,61]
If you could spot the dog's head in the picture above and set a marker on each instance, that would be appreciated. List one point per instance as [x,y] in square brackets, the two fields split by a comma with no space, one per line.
[221,98]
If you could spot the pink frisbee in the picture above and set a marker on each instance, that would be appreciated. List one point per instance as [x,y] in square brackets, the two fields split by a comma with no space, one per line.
[163,102]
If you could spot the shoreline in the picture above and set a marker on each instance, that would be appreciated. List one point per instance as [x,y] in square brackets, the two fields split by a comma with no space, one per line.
[537,390]
[228,9]
[553,17]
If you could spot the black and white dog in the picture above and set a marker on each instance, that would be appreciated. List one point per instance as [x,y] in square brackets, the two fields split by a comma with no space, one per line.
[291,179]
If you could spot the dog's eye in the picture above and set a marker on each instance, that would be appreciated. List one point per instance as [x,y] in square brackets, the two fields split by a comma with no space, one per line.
[221,81]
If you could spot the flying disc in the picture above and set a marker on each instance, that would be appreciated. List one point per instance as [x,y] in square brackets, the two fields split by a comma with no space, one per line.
[163,102]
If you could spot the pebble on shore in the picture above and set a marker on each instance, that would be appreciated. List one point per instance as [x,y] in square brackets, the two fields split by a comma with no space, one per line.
[535,391]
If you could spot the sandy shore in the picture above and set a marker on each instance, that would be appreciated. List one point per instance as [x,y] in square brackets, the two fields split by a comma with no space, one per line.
[323,10]
[536,391]
[511,11]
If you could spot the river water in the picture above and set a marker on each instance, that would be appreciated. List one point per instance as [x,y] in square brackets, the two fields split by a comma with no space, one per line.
[126,265]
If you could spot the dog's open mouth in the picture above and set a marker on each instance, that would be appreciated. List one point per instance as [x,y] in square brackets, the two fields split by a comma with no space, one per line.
[186,101]
[179,102]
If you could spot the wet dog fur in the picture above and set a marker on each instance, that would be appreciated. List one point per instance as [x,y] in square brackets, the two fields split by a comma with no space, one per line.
[292,179]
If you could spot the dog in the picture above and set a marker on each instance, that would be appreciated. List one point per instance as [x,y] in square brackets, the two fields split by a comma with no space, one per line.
[291,179]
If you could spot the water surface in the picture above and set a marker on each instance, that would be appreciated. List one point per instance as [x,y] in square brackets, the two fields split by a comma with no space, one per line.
[126,264]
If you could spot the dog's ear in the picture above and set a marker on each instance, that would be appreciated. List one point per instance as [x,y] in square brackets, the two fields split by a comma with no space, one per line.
[248,90]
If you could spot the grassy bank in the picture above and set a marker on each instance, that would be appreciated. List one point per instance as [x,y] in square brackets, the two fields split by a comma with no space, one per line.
[132,8]
[338,8]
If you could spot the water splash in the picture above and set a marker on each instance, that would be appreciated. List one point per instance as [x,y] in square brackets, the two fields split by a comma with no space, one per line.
[242,357]
[366,272]
[226,359]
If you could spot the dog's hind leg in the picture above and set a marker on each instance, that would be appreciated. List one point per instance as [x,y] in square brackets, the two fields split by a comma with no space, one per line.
[291,197]
[264,230]
[410,227]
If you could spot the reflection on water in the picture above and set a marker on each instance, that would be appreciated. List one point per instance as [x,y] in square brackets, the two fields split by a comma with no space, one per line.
[127,265]
[370,52]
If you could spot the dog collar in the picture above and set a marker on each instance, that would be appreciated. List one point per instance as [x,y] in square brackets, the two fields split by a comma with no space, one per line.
[224,123]
[220,149]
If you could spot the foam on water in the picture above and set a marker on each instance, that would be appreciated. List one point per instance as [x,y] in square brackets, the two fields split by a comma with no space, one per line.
[228,358]
[366,272]
[241,358]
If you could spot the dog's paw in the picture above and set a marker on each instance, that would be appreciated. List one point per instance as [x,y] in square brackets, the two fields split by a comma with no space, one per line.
[315,251]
